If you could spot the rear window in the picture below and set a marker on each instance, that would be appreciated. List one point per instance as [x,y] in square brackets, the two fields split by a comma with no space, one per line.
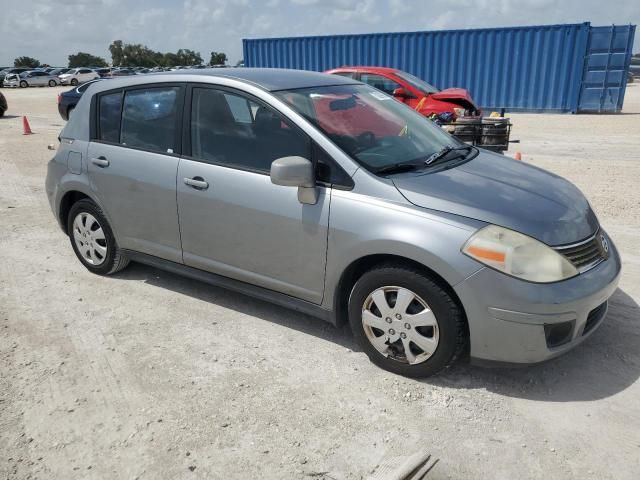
[149,118]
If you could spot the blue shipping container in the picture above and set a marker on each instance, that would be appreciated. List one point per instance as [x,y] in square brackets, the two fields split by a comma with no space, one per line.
[535,68]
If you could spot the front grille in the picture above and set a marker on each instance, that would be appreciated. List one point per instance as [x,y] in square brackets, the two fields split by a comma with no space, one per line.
[588,253]
[594,317]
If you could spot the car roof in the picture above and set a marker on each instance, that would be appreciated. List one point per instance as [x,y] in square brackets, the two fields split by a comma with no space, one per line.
[270,79]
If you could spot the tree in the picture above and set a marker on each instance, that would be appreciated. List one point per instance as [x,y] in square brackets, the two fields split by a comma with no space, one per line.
[218,58]
[82,59]
[116,53]
[138,55]
[26,62]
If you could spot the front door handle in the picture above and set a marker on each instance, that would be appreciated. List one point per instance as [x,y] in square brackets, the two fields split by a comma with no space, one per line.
[100,162]
[198,183]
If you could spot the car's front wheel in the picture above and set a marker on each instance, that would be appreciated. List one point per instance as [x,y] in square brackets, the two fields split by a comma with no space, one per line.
[52,83]
[92,239]
[74,81]
[405,321]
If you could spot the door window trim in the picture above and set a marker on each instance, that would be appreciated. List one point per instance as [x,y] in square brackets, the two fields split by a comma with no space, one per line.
[179,115]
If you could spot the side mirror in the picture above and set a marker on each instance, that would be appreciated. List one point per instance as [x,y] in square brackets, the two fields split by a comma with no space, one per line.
[400,93]
[296,172]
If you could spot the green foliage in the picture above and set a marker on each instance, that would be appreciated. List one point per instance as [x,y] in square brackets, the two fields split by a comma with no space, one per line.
[82,59]
[26,62]
[218,58]
[138,55]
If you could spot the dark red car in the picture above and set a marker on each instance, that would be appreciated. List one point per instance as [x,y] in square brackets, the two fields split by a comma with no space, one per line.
[416,93]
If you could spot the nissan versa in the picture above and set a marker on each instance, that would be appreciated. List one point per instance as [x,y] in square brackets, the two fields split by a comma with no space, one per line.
[325,195]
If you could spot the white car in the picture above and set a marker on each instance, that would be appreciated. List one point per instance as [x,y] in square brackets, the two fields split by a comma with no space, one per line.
[77,76]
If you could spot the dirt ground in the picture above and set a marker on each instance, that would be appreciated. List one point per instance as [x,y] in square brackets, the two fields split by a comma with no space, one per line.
[149,375]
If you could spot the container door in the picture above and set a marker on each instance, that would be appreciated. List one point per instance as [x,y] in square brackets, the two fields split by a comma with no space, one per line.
[605,68]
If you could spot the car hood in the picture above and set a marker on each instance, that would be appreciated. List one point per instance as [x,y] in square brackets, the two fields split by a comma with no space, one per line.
[498,190]
[453,94]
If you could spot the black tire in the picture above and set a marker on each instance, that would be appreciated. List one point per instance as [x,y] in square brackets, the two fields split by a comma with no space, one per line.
[450,319]
[52,83]
[23,84]
[74,81]
[114,260]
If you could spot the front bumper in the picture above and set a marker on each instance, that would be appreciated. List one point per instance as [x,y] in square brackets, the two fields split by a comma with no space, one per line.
[507,316]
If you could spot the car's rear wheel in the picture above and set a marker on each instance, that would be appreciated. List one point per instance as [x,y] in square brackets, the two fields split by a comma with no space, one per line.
[405,321]
[92,239]
[52,83]
[23,84]
[74,81]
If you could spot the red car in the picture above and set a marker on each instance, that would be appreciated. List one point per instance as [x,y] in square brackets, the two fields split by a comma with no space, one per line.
[416,93]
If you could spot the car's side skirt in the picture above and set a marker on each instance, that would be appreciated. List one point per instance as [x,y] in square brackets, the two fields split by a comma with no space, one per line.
[260,293]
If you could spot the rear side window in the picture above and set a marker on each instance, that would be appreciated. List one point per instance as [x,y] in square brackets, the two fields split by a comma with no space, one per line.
[110,107]
[149,119]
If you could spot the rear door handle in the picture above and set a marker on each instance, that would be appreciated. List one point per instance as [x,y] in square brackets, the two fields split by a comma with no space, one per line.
[100,162]
[198,183]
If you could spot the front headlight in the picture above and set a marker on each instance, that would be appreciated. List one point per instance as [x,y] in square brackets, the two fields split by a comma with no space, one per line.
[518,255]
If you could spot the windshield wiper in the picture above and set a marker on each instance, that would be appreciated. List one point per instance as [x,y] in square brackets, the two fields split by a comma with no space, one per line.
[444,152]
[397,168]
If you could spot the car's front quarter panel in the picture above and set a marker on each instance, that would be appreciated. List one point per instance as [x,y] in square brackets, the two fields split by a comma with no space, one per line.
[362,225]
[507,316]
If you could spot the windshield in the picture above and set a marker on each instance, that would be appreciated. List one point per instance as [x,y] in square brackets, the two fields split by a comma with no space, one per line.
[417,83]
[369,125]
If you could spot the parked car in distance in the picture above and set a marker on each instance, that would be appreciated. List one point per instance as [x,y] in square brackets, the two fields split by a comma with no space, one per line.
[76,76]
[103,72]
[33,78]
[3,104]
[120,72]
[68,100]
[413,91]
[429,247]
[59,71]
[8,71]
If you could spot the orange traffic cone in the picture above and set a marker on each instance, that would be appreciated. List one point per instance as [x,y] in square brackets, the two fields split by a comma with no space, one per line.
[518,156]
[26,129]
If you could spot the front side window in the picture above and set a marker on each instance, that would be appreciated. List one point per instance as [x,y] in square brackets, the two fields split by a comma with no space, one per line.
[233,130]
[109,108]
[368,125]
[381,83]
[149,118]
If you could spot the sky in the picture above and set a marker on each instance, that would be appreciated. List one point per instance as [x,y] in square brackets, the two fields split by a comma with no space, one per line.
[50,30]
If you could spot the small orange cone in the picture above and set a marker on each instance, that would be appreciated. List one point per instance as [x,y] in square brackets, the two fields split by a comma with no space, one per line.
[518,156]
[26,129]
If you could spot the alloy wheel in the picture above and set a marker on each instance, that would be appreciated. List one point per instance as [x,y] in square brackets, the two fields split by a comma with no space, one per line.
[89,239]
[400,325]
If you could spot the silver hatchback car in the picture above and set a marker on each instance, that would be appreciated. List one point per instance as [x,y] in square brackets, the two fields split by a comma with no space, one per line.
[324,195]
[34,78]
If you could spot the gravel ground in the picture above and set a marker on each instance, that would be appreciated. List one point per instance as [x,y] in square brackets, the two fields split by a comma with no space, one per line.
[149,375]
